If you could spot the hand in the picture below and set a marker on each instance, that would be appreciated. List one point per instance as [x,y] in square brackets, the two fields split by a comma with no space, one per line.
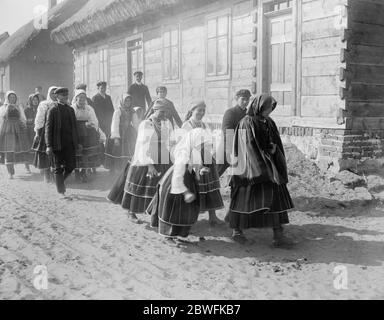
[117,142]
[49,151]
[152,172]
[204,171]
[88,125]
[189,197]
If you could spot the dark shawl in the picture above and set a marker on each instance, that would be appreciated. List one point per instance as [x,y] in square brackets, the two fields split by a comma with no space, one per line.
[252,147]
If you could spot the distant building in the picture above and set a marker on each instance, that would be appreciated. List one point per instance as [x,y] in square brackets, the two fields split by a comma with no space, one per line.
[29,58]
[322,60]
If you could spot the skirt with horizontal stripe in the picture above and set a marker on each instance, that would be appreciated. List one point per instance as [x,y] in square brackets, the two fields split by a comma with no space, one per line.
[139,189]
[262,205]
[169,212]
[209,189]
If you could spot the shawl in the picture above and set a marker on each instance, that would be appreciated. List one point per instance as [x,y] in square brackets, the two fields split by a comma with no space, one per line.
[254,162]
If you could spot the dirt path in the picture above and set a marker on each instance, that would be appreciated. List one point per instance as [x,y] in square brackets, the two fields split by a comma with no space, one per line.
[92,251]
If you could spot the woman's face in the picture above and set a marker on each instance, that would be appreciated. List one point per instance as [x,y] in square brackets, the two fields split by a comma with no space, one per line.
[35,101]
[161,94]
[81,100]
[12,98]
[267,111]
[199,113]
[53,96]
[127,102]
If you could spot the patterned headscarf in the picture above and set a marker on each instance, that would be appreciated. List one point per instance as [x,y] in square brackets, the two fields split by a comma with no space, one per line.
[194,105]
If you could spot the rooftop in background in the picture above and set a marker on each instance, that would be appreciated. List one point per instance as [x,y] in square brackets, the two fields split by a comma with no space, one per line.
[98,15]
[4,36]
[21,38]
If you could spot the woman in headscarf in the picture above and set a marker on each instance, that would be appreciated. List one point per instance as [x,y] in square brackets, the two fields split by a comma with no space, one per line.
[30,114]
[209,184]
[41,160]
[150,162]
[176,205]
[90,156]
[121,145]
[259,194]
[172,114]
[13,133]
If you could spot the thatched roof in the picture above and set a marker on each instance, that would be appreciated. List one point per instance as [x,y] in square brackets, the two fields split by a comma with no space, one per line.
[98,15]
[23,36]
[4,36]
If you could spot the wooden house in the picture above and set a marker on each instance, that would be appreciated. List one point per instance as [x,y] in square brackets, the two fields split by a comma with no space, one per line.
[30,58]
[323,60]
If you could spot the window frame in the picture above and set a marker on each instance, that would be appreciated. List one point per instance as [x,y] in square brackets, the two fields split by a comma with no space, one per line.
[165,29]
[103,60]
[214,77]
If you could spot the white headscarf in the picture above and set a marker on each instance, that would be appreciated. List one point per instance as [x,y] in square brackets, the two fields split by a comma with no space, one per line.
[4,108]
[49,93]
[77,93]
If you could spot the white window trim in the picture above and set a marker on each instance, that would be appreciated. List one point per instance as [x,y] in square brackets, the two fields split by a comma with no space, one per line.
[135,36]
[228,76]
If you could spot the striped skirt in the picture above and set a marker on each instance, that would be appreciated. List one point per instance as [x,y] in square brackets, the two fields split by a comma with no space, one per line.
[169,212]
[139,189]
[209,190]
[262,205]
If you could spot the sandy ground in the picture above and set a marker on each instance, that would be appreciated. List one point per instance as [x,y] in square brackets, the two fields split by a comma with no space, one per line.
[92,251]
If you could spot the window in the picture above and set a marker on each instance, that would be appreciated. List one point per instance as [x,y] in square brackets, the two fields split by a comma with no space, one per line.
[2,80]
[103,68]
[218,40]
[83,67]
[171,57]
[135,58]
[279,5]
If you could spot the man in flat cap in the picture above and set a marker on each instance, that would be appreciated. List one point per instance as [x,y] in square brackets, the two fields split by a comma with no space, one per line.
[140,94]
[231,119]
[102,103]
[62,139]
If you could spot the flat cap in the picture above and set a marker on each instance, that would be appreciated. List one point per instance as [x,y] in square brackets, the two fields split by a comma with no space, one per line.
[243,93]
[62,91]
[101,83]
[139,73]
[81,86]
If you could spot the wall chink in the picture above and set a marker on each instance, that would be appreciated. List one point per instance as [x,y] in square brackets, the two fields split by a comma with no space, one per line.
[320,59]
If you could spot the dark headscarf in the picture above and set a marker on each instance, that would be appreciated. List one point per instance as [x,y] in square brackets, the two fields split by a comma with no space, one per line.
[252,144]
[260,103]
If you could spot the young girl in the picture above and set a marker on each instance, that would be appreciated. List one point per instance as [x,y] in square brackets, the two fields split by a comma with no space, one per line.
[41,160]
[150,162]
[121,146]
[209,184]
[90,157]
[259,195]
[176,205]
[30,114]
[13,133]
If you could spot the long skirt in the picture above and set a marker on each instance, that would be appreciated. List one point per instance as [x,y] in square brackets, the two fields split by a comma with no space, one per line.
[262,205]
[30,155]
[92,153]
[169,212]
[209,189]
[117,192]
[41,160]
[139,189]
[13,142]
[117,156]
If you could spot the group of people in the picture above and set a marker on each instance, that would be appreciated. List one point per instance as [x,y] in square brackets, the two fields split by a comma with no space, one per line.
[171,177]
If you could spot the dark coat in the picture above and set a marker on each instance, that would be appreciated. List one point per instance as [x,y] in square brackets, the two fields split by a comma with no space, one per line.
[104,112]
[53,128]
[140,95]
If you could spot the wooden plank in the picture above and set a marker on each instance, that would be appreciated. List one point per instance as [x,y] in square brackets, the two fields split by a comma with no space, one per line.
[366,12]
[316,29]
[321,47]
[324,85]
[366,74]
[365,123]
[366,34]
[320,66]
[321,106]
[319,9]
[363,54]
[365,109]
[360,92]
